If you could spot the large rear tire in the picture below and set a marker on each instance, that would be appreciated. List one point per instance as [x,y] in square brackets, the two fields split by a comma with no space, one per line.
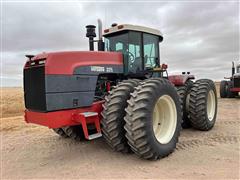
[223,89]
[153,119]
[113,114]
[60,132]
[203,105]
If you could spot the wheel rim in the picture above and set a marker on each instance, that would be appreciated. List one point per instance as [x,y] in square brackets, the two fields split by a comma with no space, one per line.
[211,105]
[164,119]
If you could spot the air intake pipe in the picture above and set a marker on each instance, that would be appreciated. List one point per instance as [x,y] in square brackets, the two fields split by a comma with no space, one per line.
[91,35]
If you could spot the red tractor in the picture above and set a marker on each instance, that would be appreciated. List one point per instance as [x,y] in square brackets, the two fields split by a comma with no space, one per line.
[120,91]
[231,88]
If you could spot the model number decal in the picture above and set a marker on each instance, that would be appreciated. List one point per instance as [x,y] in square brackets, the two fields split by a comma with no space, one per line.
[101,69]
[97,69]
[109,69]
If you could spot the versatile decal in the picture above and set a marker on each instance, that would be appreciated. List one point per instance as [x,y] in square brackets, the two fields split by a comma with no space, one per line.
[101,69]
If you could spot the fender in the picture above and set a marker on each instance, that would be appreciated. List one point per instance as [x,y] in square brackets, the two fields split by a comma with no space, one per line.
[235,89]
[180,80]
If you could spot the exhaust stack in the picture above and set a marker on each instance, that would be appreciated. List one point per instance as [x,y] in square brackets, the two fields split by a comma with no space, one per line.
[100,41]
[233,68]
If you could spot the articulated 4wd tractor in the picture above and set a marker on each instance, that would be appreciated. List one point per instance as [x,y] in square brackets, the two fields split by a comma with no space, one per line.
[231,88]
[120,91]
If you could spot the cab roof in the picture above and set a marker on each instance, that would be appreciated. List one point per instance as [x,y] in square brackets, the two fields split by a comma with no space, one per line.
[124,27]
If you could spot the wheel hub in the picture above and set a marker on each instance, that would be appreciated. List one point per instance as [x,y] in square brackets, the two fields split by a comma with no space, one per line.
[164,119]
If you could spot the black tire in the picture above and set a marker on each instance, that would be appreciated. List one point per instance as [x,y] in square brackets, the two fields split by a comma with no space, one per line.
[184,92]
[230,94]
[60,132]
[74,132]
[181,90]
[113,114]
[198,105]
[139,119]
[223,89]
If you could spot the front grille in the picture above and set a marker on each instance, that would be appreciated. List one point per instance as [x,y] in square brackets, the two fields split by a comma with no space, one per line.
[34,88]
[236,82]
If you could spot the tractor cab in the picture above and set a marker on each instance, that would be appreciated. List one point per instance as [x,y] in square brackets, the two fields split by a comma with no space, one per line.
[238,68]
[139,46]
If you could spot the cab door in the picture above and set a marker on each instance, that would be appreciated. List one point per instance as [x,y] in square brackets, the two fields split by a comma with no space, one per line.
[150,51]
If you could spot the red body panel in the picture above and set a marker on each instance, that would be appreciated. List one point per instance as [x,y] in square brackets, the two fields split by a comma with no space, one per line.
[180,80]
[235,89]
[62,118]
[66,62]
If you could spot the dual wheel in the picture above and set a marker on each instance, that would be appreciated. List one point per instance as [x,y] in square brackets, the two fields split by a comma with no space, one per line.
[145,117]
[184,95]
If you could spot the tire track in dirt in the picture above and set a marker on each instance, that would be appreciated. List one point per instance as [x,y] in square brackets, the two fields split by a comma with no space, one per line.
[208,141]
[229,122]
[225,139]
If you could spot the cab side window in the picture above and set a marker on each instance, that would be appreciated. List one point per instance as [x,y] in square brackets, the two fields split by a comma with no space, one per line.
[119,46]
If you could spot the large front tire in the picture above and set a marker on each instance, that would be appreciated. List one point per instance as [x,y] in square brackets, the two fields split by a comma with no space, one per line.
[74,132]
[223,89]
[153,119]
[113,114]
[203,105]
[60,132]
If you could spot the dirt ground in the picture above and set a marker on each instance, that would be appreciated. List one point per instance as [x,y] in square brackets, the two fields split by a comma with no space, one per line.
[33,152]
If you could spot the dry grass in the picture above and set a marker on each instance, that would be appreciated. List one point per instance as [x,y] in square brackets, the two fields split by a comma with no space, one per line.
[11,102]
[12,110]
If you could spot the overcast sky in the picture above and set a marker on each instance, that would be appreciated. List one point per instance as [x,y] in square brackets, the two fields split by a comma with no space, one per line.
[200,37]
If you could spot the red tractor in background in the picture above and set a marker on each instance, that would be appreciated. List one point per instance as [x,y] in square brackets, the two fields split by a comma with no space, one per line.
[120,91]
[231,88]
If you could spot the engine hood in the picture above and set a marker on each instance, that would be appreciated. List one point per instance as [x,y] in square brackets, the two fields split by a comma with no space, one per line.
[66,62]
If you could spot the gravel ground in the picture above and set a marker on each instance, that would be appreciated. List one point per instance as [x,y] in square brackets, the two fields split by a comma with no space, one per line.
[30,151]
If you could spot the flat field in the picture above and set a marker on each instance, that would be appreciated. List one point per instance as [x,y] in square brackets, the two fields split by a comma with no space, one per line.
[32,152]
